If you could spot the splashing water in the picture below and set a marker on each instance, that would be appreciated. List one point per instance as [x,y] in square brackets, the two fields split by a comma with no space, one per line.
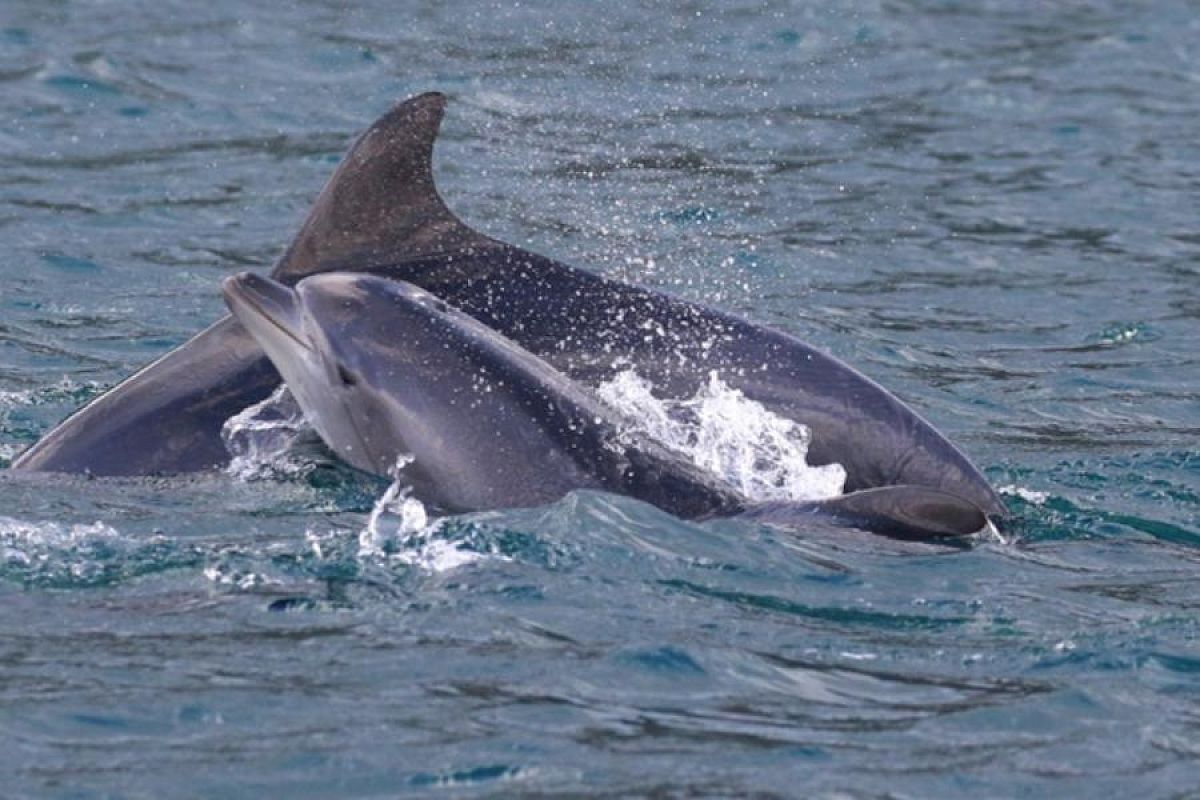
[1031,496]
[396,516]
[399,529]
[262,441]
[761,454]
[260,438]
[758,453]
[24,543]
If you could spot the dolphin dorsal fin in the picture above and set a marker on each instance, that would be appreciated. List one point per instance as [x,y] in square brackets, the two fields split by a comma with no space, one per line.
[380,207]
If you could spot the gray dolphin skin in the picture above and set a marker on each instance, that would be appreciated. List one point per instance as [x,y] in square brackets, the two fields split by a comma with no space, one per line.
[383,368]
[380,214]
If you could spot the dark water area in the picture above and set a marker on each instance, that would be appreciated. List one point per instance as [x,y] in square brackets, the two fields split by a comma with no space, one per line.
[992,209]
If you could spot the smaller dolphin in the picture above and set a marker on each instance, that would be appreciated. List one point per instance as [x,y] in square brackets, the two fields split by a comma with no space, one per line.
[383,369]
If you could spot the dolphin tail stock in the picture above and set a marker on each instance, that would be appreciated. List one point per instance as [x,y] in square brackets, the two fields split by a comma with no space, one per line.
[912,513]
[380,206]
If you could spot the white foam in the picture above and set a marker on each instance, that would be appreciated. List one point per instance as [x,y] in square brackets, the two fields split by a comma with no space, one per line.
[759,453]
[18,397]
[20,535]
[1028,495]
[229,575]
[71,550]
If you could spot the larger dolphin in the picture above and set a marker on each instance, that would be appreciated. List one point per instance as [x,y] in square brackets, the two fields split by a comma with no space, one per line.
[380,213]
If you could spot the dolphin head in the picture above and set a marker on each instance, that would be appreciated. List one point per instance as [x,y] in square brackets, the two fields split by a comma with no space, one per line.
[364,357]
[327,379]
[384,369]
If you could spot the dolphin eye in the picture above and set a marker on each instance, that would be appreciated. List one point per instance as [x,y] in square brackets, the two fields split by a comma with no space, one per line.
[346,377]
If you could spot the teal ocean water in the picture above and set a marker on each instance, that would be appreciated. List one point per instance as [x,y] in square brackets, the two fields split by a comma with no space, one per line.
[991,208]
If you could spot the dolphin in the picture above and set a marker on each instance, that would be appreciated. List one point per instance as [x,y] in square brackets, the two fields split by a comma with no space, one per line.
[380,213]
[393,377]
[383,369]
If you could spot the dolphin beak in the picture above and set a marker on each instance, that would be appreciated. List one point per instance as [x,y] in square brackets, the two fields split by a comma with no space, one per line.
[265,306]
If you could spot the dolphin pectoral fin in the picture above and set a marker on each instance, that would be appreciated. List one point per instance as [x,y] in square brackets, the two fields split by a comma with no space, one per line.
[380,207]
[902,512]
[166,418]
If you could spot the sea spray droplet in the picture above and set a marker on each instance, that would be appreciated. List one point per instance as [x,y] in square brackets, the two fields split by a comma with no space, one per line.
[1122,333]
[1032,496]
[761,454]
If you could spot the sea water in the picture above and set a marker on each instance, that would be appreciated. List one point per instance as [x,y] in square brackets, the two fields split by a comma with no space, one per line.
[989,208]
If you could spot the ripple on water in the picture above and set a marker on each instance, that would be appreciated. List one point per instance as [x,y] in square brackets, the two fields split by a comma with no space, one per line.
[64,556]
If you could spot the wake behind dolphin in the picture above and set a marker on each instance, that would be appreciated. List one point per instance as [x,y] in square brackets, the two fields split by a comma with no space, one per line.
[380,214]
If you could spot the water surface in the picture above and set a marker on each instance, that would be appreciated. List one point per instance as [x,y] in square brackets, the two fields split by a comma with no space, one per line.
[991,208]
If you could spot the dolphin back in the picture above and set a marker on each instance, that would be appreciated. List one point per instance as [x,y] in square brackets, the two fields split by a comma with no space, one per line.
[166,418]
